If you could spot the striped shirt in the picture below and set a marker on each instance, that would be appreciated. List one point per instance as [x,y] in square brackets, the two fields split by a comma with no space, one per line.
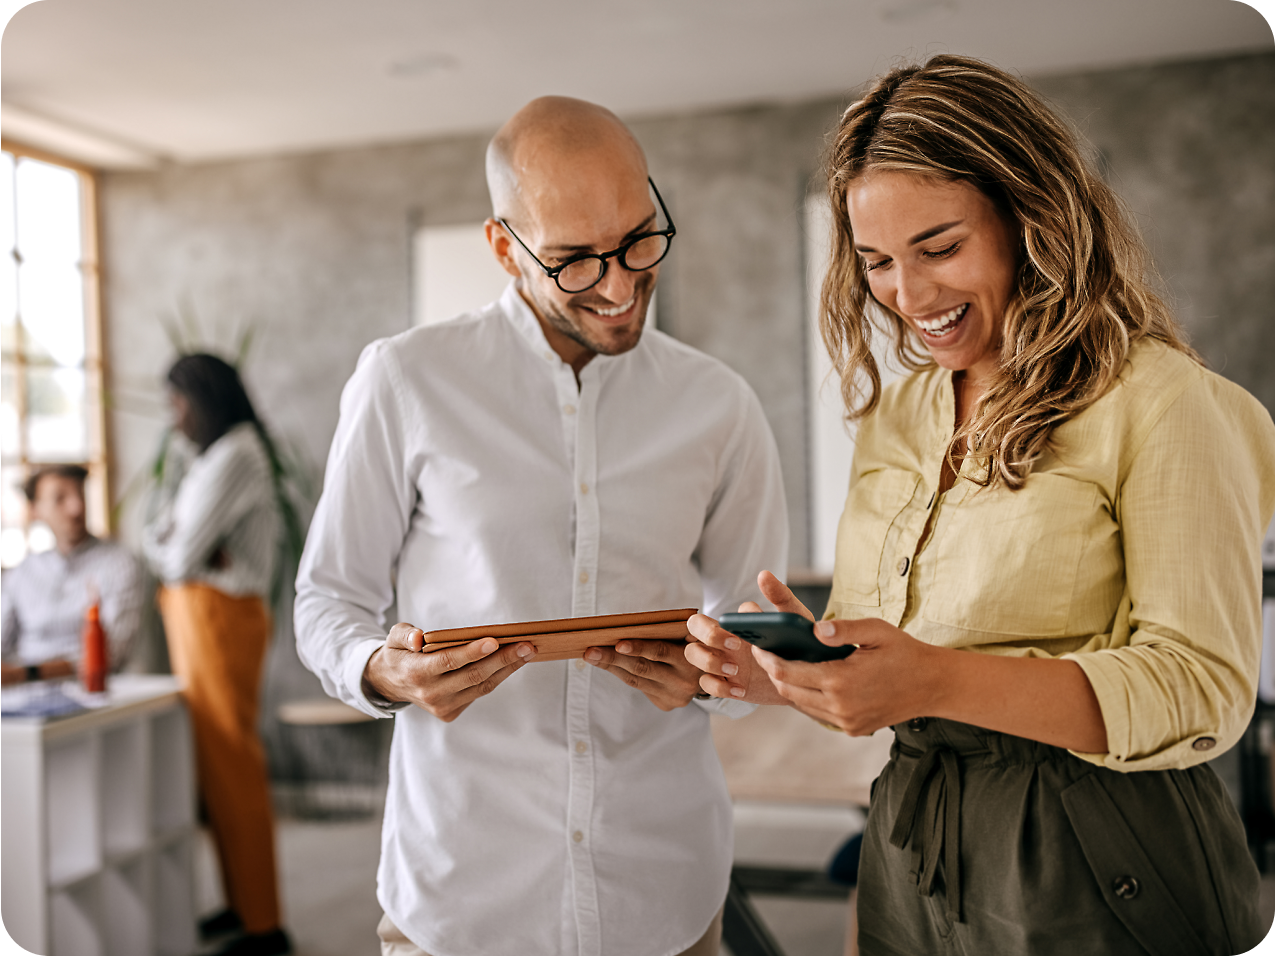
[225,502]
[46,596]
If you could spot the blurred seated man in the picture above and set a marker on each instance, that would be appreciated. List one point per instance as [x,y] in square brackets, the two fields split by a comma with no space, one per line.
[46,596]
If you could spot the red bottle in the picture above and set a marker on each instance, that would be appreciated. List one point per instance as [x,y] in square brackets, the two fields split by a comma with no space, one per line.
[93,663]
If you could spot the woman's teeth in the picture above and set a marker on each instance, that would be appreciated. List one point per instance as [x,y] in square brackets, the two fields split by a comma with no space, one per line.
[618,310]
[944,323]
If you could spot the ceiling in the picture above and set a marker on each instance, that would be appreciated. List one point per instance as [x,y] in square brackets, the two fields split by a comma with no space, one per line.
[120,83]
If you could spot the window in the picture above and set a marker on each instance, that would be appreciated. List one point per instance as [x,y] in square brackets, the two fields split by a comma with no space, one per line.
[51,408]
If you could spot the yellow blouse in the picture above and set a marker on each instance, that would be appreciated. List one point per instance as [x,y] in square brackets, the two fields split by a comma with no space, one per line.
[1134,549]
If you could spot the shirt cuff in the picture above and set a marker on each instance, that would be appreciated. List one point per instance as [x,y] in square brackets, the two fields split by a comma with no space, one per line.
[355,664]
[1126,753]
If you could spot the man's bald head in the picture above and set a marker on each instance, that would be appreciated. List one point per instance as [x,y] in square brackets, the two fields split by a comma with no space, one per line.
[533,154]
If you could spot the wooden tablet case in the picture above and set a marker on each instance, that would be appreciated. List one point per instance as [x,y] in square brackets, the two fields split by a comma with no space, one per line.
[569,637]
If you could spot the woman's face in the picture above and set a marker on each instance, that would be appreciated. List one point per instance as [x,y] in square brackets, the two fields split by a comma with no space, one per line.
[942,257]
[183,420]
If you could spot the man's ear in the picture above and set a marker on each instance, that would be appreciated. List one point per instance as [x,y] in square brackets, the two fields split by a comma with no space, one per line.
[501,247]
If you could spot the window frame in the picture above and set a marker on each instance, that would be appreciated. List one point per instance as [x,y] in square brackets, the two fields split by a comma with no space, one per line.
[98,486]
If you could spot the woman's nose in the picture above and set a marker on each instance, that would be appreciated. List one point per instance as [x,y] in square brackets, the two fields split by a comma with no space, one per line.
[914,293]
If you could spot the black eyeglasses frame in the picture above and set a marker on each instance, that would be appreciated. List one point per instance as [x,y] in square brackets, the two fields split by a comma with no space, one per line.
[554,271]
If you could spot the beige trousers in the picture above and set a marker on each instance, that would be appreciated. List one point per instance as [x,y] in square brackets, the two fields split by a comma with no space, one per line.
[394,943]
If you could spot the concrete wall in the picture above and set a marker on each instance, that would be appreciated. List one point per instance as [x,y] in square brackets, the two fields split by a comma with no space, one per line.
[313,250]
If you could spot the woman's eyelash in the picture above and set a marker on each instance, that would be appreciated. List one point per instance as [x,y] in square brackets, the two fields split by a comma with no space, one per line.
[935,254]
[943,253]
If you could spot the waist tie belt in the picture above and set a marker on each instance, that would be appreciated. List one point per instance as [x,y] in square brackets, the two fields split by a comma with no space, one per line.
[938,829]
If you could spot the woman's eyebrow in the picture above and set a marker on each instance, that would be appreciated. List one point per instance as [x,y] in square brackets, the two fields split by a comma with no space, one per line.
[919,237]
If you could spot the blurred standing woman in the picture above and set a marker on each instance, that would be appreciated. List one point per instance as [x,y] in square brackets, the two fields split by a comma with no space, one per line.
[1050,552]
[215,545]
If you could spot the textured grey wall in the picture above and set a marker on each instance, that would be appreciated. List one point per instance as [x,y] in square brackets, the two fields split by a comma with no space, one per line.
[1191,149]
[313,250]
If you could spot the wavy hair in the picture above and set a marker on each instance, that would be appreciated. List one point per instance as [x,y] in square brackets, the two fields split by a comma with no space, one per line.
[1083,292]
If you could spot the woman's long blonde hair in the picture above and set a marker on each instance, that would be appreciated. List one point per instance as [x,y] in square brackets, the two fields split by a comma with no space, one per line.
[1083,294]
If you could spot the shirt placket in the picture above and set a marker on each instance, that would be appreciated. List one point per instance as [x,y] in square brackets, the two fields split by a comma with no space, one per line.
[579,410]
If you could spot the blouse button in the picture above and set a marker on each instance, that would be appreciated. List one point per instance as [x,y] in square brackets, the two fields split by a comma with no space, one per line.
[1204,743]
[918,723]
[930,503]
[903,565]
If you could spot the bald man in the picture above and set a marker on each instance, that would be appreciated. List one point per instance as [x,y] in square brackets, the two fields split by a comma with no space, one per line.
[544,457]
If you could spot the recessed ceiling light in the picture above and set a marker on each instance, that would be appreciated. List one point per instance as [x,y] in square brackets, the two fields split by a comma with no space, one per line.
[902,11]
[422,64]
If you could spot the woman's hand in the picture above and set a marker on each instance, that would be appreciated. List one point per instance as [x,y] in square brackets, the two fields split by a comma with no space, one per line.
[890,678]
[729,669]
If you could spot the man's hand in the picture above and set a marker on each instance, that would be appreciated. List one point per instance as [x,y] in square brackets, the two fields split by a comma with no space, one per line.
[443,682]
[729,667]
[659,669]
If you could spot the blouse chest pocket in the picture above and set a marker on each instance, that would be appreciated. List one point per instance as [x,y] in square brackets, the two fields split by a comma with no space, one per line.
[1008,562]
[874,504]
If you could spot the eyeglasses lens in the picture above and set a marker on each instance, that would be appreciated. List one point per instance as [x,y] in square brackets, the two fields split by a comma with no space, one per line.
[585,273]
[580,275]
[645,252]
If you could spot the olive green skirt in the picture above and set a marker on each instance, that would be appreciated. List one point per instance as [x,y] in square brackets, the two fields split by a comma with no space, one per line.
[981,843]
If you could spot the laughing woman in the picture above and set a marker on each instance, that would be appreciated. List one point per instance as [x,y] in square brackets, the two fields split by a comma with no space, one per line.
[1049,556]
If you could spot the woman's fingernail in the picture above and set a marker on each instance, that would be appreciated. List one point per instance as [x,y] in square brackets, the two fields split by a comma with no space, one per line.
[825,629]
[737,692]
[732,643]
[730,669]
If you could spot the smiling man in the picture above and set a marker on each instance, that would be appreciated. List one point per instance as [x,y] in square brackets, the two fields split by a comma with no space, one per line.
[544,457]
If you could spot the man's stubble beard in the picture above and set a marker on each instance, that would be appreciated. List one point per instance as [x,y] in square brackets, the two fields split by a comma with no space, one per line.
[644,289]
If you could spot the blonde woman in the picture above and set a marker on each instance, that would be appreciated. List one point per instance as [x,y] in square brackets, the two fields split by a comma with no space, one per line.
[1050,553]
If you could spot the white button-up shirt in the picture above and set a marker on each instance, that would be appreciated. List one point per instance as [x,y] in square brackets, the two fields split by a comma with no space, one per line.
[225,499]
[563,813]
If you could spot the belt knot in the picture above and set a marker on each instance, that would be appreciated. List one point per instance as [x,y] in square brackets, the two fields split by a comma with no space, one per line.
[937,829]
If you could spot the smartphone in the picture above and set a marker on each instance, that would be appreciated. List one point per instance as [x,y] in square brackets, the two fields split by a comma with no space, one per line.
[790,636]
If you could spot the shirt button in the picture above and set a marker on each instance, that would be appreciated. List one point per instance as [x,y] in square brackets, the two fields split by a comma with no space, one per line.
[1125,887]
[918,723]
[903,565]
[581,746]
[569,409]
[548,355]
[580,665]
[1204,743]
[584,577]
[577,836]
[584,487]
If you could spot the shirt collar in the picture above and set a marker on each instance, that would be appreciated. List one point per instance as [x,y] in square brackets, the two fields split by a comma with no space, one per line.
[528,326]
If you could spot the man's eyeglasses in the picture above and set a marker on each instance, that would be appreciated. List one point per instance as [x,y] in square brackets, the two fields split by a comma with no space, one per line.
[585,271]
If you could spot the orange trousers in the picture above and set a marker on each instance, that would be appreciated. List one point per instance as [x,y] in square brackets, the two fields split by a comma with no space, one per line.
[217,645]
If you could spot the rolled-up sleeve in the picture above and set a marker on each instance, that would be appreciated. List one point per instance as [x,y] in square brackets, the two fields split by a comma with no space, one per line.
[345,580]
[1177,683]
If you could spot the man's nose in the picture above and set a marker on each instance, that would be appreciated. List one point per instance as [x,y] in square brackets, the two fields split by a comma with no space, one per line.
[618,283]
